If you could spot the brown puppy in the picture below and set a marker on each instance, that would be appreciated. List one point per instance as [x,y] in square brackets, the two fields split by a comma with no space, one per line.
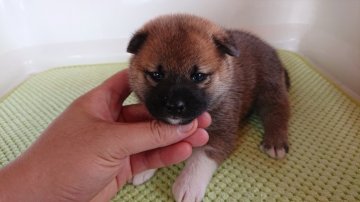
[184,65]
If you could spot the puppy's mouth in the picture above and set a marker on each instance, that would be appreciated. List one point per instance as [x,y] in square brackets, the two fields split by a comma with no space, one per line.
[159,111]
[177,120]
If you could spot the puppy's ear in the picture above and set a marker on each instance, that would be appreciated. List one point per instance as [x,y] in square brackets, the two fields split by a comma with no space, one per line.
[136,42]
[226,45]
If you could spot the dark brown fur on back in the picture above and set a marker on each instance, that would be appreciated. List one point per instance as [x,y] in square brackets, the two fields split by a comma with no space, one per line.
[259,84]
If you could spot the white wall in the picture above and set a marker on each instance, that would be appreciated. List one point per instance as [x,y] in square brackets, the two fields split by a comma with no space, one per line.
[332,42]
[36,22]
[38,34]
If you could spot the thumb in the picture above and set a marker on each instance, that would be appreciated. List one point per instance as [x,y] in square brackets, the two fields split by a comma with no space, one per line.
[132,138]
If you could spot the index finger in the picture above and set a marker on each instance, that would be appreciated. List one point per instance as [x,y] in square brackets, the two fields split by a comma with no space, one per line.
[118,86]
[135,113]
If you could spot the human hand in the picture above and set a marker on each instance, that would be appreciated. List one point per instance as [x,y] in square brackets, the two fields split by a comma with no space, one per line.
[95,146]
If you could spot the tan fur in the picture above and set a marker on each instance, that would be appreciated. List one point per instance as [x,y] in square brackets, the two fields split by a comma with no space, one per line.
[255,79]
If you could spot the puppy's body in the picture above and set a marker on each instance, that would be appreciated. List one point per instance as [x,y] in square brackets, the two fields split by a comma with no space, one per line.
[185,65]
[258,83]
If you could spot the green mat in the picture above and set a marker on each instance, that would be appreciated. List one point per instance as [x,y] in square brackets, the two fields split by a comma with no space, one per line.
[323,163]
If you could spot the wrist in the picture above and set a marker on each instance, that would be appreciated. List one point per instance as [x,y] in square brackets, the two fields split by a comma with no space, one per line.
[21,181]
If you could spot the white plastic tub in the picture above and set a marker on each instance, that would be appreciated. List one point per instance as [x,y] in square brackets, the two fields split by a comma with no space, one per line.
[39,34]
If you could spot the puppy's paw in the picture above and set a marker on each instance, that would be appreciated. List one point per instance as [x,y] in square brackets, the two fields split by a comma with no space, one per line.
[275,149]
[188,189]
[191,184]
[140,178]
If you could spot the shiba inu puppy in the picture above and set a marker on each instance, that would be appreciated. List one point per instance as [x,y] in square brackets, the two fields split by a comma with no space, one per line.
[183,65]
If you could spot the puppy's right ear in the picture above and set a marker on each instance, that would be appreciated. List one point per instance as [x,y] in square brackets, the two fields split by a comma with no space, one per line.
[136,42]
[226,44]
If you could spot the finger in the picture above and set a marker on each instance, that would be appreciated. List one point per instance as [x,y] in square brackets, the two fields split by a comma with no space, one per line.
[118,86]
[160,157]
[204,120]
[135,113]
[111,93]
[134,138]
[199,138]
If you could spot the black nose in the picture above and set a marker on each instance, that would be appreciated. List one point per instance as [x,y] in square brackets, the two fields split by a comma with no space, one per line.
[175,107]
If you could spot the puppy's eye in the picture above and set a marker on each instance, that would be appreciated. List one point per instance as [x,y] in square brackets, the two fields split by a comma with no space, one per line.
[199,77]
[156,76]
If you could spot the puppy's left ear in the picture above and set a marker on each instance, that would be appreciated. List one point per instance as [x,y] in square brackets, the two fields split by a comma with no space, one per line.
[136,42]
[226,45]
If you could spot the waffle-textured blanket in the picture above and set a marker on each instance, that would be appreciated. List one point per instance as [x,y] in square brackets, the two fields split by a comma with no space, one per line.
[323,163]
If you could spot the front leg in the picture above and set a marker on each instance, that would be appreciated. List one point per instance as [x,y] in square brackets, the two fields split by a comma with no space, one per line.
[274,111]
[190,186]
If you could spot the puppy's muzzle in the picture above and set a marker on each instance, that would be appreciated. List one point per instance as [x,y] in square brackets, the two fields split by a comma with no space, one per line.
[176,103]
[176,107]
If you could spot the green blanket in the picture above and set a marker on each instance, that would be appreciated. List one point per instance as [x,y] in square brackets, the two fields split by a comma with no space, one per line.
[323,163]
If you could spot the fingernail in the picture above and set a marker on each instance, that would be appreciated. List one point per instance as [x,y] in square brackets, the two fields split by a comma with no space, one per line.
[186,128]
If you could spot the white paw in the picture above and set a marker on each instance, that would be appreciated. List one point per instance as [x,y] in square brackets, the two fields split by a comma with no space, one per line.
[186,189]
[191,185]
[273,152]
[140,178]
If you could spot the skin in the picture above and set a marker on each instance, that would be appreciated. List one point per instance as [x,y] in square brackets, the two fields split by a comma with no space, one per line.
[95,146]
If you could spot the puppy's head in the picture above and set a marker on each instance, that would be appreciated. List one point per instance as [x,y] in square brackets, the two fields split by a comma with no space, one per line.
[180,66]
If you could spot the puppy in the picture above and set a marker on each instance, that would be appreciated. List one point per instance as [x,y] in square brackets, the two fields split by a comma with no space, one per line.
[183,65]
